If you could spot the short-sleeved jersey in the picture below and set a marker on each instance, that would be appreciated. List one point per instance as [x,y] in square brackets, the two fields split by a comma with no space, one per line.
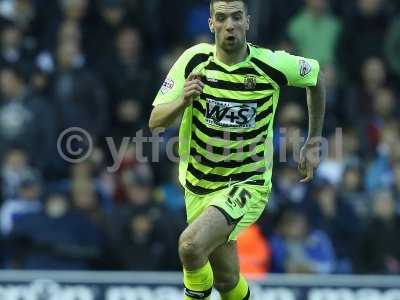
[226,134]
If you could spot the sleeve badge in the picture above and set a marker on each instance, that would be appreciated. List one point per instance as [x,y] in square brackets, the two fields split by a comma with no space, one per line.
[167,86]
[305,67]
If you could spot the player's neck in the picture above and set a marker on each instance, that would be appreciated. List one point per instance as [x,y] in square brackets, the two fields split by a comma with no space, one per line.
[232,58]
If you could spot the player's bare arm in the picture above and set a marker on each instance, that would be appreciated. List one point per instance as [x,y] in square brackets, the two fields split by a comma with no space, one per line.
[164,115]
[309,154]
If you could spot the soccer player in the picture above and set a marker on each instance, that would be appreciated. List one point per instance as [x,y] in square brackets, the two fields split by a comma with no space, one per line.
[228,94]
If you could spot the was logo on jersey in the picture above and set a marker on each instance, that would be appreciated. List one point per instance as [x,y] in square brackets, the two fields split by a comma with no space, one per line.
[231,114]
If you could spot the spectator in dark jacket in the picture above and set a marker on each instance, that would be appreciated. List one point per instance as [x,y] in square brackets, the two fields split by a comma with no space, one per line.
[128,71]
[338,219]
[363,37]
[13,50]
[80,97]
[56,238]
[25,120]
[379,248]
[141,222]
[26,201]
[298,248]
[147,244]
[14,166]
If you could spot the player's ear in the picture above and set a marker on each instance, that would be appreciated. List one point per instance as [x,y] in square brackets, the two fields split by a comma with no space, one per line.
[211,25]
[248,22]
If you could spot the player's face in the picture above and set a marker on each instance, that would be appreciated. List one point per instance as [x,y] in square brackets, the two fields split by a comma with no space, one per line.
[230,23]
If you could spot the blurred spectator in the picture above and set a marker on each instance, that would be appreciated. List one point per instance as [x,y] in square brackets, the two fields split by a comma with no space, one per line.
[254,252]
[151,241]
[287,187]
[392,46]
[171,192]
[56,238]
[363,37]
[269,27]
[64,12]
[137,184]
[74,9]
[85,200]
[379,249]
[25,120]
[143,13]
[20,12]
[292,113]
[146,223]
[112,16]
[127,71]
[350,146]
[89,189]
[128,118]
[337,218]
[79,96]
[380,170]
[69,32]
[25,202]
[333,159]
[297,248]
[14,167]
[352,191]
[315,31]
[396,186]
[288,140]
[40,83]
[373,76]
[384,110]
[13,49]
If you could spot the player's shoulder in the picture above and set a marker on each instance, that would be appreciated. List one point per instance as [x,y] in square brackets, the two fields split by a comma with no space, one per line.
[194,56]
[267,55]
[199,49]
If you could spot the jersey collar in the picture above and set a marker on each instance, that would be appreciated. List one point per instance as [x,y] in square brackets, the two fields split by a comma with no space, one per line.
[245,62]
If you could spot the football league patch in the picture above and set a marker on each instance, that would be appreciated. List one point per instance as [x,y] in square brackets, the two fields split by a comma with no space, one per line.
[305,67]
[167,86]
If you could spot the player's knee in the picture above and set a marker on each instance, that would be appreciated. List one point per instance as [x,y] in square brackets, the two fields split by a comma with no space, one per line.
[189,248]
[225,282]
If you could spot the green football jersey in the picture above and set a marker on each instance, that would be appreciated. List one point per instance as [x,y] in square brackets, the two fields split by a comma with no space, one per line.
[226,134]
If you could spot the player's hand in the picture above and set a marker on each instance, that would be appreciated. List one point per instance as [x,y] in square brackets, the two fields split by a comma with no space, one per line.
[309,160]
[192,89]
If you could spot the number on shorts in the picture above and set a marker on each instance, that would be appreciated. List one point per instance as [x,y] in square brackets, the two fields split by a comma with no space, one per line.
[244,195]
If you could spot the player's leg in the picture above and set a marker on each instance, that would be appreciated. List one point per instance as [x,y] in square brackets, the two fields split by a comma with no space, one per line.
[196,243]
[227,279]
[244,206]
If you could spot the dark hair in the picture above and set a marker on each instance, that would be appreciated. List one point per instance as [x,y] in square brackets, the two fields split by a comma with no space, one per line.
[213,1]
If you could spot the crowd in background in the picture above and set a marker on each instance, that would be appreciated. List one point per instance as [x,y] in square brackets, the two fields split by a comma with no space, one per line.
[97,64]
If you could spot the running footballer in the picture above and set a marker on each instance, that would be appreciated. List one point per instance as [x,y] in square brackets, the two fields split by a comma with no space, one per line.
[228,95]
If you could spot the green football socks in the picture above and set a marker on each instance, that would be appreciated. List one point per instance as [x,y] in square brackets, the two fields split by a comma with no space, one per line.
[198,283]
[240,292]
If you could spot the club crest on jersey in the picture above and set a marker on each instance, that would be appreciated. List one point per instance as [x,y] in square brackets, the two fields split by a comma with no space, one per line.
[250,82]
[231,114]
[167,86]
[305,68]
